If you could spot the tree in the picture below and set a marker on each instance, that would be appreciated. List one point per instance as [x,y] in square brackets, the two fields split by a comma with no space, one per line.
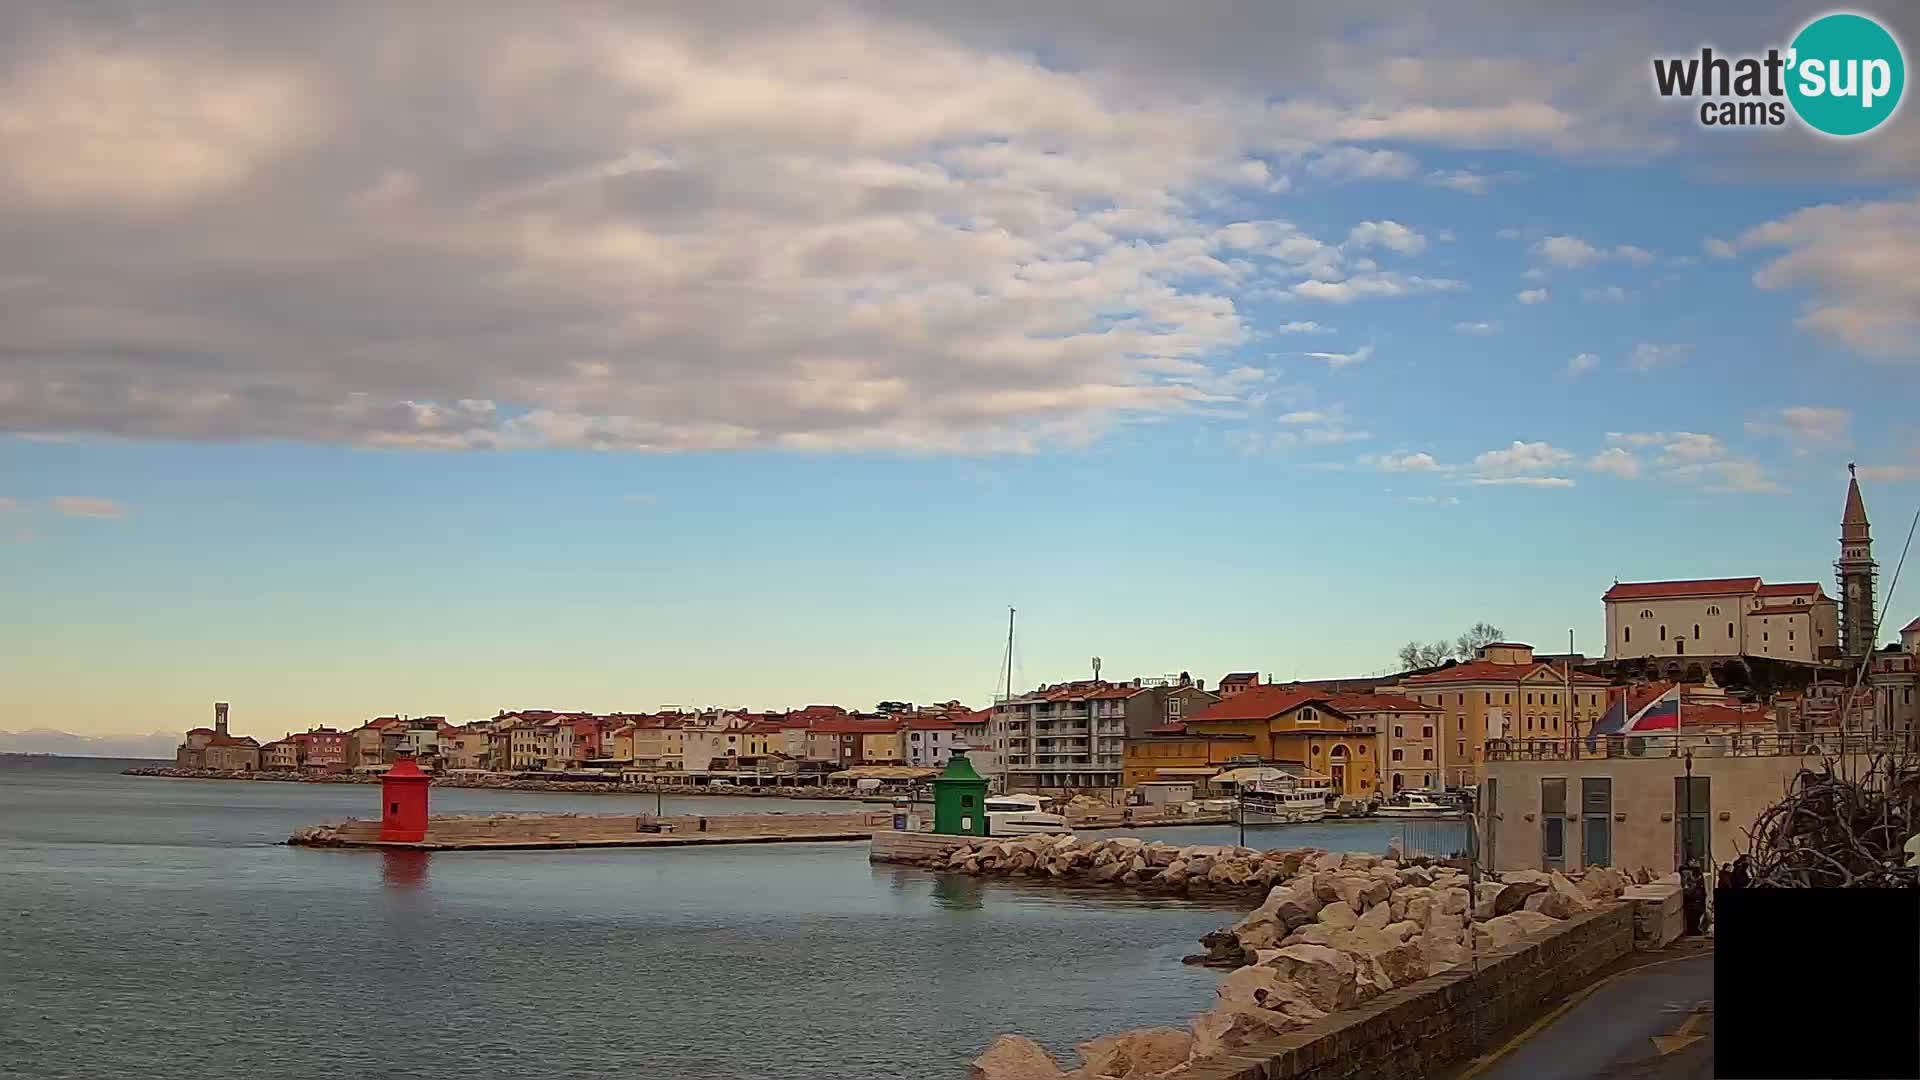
[1415,655]
[1477,637]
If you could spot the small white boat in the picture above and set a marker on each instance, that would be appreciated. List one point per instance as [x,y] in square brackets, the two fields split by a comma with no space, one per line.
[1413,804]
[1023,815]
[1283,801]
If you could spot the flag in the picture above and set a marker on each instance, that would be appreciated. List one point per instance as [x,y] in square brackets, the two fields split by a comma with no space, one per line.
[1660,714]
[1612,723]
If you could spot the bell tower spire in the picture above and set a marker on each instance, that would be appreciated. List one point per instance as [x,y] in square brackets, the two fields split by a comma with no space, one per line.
[1857,574]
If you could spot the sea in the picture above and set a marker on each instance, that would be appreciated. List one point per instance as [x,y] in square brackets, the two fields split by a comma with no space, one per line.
[156,927]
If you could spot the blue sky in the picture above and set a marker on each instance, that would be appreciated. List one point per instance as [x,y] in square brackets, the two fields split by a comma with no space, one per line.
[602,362]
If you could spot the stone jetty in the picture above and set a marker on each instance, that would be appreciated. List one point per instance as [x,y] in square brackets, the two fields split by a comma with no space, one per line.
[510,783]
[1332,932]
[528,832]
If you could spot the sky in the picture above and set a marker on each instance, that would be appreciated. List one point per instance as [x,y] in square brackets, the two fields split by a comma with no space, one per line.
[368,358]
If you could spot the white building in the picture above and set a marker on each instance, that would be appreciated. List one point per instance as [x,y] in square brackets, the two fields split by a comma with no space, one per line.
[1720,617]
[1065,737]
[929,741]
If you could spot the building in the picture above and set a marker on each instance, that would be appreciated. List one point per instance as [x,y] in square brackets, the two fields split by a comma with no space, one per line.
[931,741]
[1407,742]
[973,730]
[1895,675]
[281,755]
[1174,754]
[1064,737]
[1857,575]
[659,743]
[323,749]
[217,748]
[1718,618]
[849,740]
[1286,725]
[1238,682]
[1632,810]
[1157,702]
[1504,693]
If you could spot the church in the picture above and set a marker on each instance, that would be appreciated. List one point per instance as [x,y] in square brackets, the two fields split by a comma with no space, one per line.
[1675,626]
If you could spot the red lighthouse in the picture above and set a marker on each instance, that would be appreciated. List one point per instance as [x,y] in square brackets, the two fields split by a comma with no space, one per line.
[403,798]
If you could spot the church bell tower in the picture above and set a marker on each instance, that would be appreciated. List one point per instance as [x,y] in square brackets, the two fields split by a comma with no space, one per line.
[1857,574]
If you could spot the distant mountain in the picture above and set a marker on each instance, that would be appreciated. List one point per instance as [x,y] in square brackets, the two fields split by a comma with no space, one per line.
[48,741]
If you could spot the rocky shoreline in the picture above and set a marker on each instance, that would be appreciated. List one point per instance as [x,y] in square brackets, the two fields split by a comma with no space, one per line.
[505,783]
[1333,931]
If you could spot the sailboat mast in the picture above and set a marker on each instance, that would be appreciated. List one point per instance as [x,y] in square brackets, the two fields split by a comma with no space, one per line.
[1009,696]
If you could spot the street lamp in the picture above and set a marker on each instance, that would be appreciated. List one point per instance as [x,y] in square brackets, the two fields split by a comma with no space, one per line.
[1686,820]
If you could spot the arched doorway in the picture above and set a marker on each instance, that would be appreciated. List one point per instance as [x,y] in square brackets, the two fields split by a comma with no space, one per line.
[1337,767]
[1399,781]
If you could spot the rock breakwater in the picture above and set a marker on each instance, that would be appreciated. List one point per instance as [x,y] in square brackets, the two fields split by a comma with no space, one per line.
[1333,930]
[506,783]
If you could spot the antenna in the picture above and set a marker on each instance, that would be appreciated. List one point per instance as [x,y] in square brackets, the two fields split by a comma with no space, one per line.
[1096,669]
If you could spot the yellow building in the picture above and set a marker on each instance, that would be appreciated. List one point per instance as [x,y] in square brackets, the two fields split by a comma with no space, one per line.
[1276,724]
[659,744]
[1171,754]
[1505,693]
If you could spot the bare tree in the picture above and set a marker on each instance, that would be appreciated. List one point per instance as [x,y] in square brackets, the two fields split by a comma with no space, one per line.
[1415,655]
[1477,637]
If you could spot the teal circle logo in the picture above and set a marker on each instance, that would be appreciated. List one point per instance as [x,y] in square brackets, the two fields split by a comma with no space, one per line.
[1845,74]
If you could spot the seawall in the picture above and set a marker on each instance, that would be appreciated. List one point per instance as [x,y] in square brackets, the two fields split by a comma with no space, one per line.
[559,831]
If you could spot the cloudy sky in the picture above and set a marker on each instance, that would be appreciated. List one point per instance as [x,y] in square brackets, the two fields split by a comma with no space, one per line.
[444,358]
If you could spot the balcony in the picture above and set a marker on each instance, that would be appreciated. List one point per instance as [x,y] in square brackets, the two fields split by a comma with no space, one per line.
[1816,743]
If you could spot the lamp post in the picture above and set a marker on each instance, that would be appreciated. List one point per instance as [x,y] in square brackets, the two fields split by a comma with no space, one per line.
[1686,822]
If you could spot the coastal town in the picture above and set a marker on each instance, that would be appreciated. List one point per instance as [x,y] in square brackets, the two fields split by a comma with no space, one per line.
[1740,676]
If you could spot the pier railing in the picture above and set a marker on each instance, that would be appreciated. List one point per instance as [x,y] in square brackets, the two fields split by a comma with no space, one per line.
[1833,742]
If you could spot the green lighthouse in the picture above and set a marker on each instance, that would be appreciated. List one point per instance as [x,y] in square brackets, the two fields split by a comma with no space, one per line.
[959,798]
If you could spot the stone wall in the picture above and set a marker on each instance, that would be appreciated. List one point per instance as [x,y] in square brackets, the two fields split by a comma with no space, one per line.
[1423,1028]
[534,828]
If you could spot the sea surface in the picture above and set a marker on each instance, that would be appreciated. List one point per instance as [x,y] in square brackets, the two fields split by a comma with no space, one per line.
[159,928]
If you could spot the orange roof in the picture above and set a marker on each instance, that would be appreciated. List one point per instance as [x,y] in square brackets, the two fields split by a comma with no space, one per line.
[1488,671]
[1912,627]
[1797,588]
[1239,677]
[929,723]
[1364,703]
[1259,703]
[975,716]
[1656,590]
[1722,716]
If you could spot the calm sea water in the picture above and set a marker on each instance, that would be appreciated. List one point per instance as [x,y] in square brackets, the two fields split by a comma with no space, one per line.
[158,928]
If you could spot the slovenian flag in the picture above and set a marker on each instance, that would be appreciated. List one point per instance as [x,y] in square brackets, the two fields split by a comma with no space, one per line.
[1660,714]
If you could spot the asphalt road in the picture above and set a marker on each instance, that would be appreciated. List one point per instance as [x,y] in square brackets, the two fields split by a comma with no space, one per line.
[1648,1023]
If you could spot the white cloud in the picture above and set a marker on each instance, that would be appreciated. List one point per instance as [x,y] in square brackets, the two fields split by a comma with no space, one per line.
[1582,363]
[1356,163]
[1520,460]
[1638,256]
[1805,424]
[1481,329]
[1691,446]
[7,504]
[1387,234]
[1524,481]
[1637,438]
[87,506]
[1617,461]
[1856,262]
[1531,296]
[1403,463]
[1568,251]
[1339,360]
[1646,357]
[1434,500]
[1383,283]
[1718,248]
[1890,473]
[1304,327]
[1611,294]
[1464,181]
[1729,478]
[1533,273]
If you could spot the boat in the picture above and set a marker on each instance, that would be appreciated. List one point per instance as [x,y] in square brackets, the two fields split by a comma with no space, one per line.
[1023,815]
[1415,804]
[1285,800]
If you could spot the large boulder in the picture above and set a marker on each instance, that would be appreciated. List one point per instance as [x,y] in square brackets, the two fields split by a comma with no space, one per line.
[1485,896]
[1325,974]
[1512,898]
[1413,903]
[1107,872]
[1603,883]
[1375,918]
[1506,929]
[1147,1052]
[1015,1057]
[1452,901]
[1401,931]
[1259,931]
[1229,1027]
[1293,905]
[1442,953]
[1338,915]
[1575,896]
[1327,860]
[1315,933]
[1404,963]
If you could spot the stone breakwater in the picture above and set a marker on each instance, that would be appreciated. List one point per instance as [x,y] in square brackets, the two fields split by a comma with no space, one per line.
[1333,931]
[505,783]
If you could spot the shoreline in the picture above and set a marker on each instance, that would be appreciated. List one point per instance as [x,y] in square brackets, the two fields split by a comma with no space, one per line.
[566,787]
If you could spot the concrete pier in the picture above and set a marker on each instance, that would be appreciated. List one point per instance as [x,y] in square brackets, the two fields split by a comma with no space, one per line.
[531,832]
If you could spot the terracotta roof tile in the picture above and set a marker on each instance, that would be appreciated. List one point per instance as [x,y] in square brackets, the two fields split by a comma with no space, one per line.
[1795,588]
[1488,671]
[1363,703]
[1656,590]
[1259,703]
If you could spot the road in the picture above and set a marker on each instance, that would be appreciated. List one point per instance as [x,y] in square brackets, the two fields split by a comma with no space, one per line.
[1648,1023]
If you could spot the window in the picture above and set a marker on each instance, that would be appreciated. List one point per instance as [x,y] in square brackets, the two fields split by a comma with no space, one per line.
[1529,699]
[1629,632]
[1696,631]
[1801,602]
[1396,754]
[1399,732]
[1529,723]
[1427,754]
[1646,613]
[1556,699]
[1729,631]
[1489,700]
[1427,732]
[1763,635]
[1363,749]
[1713,609]
[1663,632]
